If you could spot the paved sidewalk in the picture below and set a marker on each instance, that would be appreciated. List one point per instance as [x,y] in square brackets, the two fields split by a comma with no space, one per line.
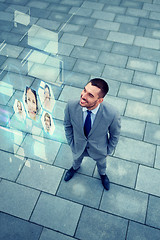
[65,43]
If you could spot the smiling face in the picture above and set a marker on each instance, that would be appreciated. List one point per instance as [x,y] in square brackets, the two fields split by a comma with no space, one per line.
[90,97]
[31,103]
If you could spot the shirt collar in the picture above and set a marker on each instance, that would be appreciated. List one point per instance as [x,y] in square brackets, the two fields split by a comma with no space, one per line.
[94,111]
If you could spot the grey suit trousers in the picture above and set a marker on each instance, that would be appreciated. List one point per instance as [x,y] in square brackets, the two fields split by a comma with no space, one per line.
[101,163]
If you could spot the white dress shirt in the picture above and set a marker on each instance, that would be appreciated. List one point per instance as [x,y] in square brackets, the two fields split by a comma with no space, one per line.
[93,114]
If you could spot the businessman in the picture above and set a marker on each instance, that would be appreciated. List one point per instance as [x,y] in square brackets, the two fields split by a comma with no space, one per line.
[92,128]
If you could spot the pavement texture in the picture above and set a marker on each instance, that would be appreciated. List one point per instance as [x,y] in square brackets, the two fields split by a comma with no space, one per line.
[66,43]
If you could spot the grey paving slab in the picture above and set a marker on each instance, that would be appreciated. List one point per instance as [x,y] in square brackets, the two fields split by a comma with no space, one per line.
[126,203]
[85,53]
[64,159]
[39,13]
[142,65]
[132,29]
[147,80]
[76,3]
[82,189]
[143,111]
[74,39]
[40,176]
[132,4]
[149,23]
[151,7]
[59,8]
[93,5]
[158,69]
[132,150]
[96,225]
[17,200]
[65,49]
[113,59]
[65,95]
[157,162]
[126,19]
[152,33]
[72,28]
[114,9]
[10,139]
[154,15]
[107,25]
[148,184]
[5,25]
[134,92]
[119,74]
[147,42]
[84,21]
[50,235]
[11,51]
[58,110]
[57,213]
[137,12]
[153,214]
[152,133]
[7,113]
[10,37]
[88,67]
[119,103]
[103,15]
[132,128]
[98,44]
[120,172]
[7,92]
[113,86]
[38,4]
[121,37]
[6,16]
[150,54]
[76,79]
[59,16]
[139,231]
[39,148]
[67,64]
[12,227]
[82,11]
[17,80]
[10,165]
[48,24]
[95,33]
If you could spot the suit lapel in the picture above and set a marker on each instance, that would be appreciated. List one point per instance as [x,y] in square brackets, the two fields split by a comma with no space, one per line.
[97,119]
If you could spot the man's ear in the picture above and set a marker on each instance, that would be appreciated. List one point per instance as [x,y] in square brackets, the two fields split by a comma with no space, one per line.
[100,100]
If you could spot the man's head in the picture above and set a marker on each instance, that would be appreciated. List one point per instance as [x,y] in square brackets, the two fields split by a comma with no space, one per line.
[93,93]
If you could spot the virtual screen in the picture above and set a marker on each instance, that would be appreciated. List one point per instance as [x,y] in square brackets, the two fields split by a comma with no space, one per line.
[31,79]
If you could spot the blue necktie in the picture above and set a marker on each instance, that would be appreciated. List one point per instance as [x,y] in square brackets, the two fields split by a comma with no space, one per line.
[87,124]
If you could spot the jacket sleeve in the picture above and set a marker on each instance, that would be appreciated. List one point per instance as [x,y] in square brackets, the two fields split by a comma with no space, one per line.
[114,133]
[67,125]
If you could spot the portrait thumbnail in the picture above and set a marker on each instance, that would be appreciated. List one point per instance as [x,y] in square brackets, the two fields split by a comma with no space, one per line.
[46,96]
[47,123]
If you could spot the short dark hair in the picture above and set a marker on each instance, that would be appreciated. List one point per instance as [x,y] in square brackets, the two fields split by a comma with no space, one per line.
[102,84]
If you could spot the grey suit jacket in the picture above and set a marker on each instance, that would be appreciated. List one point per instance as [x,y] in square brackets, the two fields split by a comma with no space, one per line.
[104,133]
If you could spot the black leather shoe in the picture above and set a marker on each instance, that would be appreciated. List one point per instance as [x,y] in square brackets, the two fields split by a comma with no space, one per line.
[69,174]
[105,182]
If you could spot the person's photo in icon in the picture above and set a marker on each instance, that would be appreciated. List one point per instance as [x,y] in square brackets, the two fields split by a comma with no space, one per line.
[46,96]
[19,109]
[47,122]
[31,103]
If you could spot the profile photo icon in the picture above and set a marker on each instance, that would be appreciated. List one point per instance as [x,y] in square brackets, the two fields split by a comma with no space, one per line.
[47,123]
[31,103]
[19,109]
[46,96]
